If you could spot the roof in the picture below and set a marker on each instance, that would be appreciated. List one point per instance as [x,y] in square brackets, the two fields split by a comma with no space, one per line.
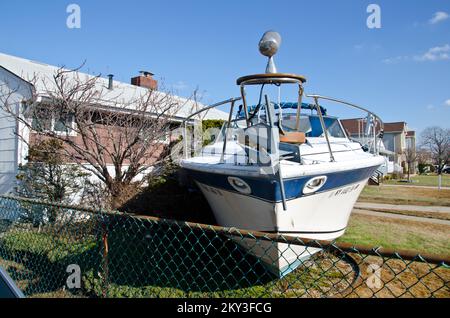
[395,127]
[122,92]
[356,125]
[411,133]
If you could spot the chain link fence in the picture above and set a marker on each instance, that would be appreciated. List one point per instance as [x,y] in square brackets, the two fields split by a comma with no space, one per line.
[52,250]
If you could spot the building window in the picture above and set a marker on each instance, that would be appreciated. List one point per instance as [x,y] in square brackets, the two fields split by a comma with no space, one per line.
[389,142]
[64,124]
[57,124]
[41,123]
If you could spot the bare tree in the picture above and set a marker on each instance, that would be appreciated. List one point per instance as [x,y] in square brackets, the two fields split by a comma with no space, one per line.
[423,158]
[437,140]
[114,136]
[411,157]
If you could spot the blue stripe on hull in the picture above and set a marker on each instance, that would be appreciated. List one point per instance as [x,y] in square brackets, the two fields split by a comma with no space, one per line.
[268,189]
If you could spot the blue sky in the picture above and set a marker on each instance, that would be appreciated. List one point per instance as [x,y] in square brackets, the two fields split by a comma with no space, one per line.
[401,71]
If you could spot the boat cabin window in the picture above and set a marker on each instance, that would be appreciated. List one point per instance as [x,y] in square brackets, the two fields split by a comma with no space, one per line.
[310,125]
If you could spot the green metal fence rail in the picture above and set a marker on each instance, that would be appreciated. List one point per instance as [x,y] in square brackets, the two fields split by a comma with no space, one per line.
[65,251]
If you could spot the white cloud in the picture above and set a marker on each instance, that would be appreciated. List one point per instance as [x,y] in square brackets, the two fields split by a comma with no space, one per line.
[438,17]
[447,102]
[397,59]
[438,53]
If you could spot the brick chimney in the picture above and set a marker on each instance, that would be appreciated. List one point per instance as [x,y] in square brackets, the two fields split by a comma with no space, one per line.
[145,80]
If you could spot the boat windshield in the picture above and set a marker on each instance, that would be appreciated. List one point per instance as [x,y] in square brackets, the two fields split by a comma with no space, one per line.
[310,125]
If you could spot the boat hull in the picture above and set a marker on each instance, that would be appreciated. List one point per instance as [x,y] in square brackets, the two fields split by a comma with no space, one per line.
[322,215]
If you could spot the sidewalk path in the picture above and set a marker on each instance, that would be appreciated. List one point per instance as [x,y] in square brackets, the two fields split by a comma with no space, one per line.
[394,207]
[401,217]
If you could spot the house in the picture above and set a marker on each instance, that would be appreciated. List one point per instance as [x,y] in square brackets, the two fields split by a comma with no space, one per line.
[400,140]
[397,141]
[15,76]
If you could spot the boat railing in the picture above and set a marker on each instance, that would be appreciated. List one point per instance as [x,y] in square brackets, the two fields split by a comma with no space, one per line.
[231,101]
[374,135]
[316,97]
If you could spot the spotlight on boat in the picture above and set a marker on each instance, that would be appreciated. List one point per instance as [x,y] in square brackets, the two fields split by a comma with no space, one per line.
[268,46]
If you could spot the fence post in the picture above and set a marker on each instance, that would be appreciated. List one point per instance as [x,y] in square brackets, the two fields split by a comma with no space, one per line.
[105,264]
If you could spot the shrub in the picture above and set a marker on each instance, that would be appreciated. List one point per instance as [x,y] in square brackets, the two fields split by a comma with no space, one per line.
[207,126]
[48,176]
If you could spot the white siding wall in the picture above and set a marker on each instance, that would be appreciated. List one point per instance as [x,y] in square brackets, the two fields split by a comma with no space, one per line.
[9,143]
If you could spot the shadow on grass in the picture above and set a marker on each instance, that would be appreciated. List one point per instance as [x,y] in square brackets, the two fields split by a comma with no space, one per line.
[142,254]
[168,255]
[44,272]
[169,200]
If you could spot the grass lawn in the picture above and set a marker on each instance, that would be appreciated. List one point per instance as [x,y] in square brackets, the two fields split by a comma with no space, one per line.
[38,261]
[405,195]
[424,180]
[398,234]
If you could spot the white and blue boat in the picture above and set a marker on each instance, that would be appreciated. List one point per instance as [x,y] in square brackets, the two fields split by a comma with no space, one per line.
[283,167]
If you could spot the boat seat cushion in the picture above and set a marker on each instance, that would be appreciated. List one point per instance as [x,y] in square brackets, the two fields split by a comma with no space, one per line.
[294,137]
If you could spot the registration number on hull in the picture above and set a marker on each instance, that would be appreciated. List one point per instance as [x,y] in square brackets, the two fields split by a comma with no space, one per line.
[344,191]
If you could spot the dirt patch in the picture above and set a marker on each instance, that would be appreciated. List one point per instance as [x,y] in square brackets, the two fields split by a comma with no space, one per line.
[393,278]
